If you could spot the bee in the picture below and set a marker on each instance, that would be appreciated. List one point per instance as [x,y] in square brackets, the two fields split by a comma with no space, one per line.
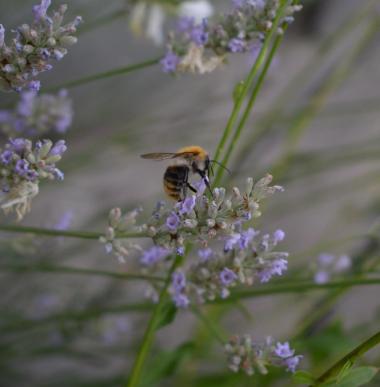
[189,160]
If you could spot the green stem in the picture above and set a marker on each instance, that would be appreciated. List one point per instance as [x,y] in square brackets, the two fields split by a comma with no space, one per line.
[350,357]
[151,328]
[106,74]
[247,85]
[212,327]
[46,268]
[248,108]
[299,287]
[63,233]
[302,76]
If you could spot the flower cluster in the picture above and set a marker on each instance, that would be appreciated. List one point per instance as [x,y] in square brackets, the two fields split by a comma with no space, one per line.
[228,254]
[33,47]
[148,19]
[36,114]
[119,224]
[22,166]
[246,259]
[329,265]
[201,47]
[246,355]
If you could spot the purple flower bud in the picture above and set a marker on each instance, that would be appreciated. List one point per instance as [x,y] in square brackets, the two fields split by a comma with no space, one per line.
[181,300]
[31,175]
[199,36]
[172,222]
[292,362]
[170,62]
[154,255]
[18,144]
[321,277]
[39,11]
[34,85]
[58,149]
[283,350]
[6,156]
[58,174]
[343,263]
[246,237]
[231,241]
[227,276]
[178,281]
[278,236]
[237,45]
[187,205]
[180,250]
[22,167]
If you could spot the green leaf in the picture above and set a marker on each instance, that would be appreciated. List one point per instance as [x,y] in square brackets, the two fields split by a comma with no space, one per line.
[238,90]
[167,315]
[354,377]
[303,377]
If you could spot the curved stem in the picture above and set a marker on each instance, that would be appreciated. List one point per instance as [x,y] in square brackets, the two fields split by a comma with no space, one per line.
[247,85]
[350,357]
[134,378]
[106,74]
[63,233]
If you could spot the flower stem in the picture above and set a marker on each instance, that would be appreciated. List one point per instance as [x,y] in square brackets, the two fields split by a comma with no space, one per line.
[249,107]
[62,233]
[246,86]
[151,328]
[46,268]
[298,287]
[105,74]
[349,358]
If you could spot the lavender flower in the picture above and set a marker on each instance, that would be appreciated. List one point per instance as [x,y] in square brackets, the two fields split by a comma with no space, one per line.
[22,169]
[173,221]
[34,47]
[237,45]
[248,356]
[329,265]
[228,254]
[227,277]
[36,114]
[153,255]
[283,350]
[170,62]
[201,46]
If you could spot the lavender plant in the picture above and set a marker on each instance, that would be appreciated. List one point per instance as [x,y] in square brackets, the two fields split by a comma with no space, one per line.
[22,167]
[202,47]
[202,251]
[36,115]
[246,355]
[34,47]
[228,254]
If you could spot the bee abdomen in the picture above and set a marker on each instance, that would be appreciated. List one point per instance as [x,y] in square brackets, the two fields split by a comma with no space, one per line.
[175,178]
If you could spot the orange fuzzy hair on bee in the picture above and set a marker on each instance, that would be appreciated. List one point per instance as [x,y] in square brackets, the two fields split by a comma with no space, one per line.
[197,152]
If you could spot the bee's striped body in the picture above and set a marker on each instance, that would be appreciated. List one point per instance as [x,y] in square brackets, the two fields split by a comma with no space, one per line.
[190,159]
[175,179]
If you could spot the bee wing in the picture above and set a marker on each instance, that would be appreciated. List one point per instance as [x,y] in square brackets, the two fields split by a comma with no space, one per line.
[159,156]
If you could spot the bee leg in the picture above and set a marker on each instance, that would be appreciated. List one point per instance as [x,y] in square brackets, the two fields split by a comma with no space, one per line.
[191,188]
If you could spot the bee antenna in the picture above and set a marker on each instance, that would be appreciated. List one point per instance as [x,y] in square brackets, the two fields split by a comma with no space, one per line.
[221,165]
